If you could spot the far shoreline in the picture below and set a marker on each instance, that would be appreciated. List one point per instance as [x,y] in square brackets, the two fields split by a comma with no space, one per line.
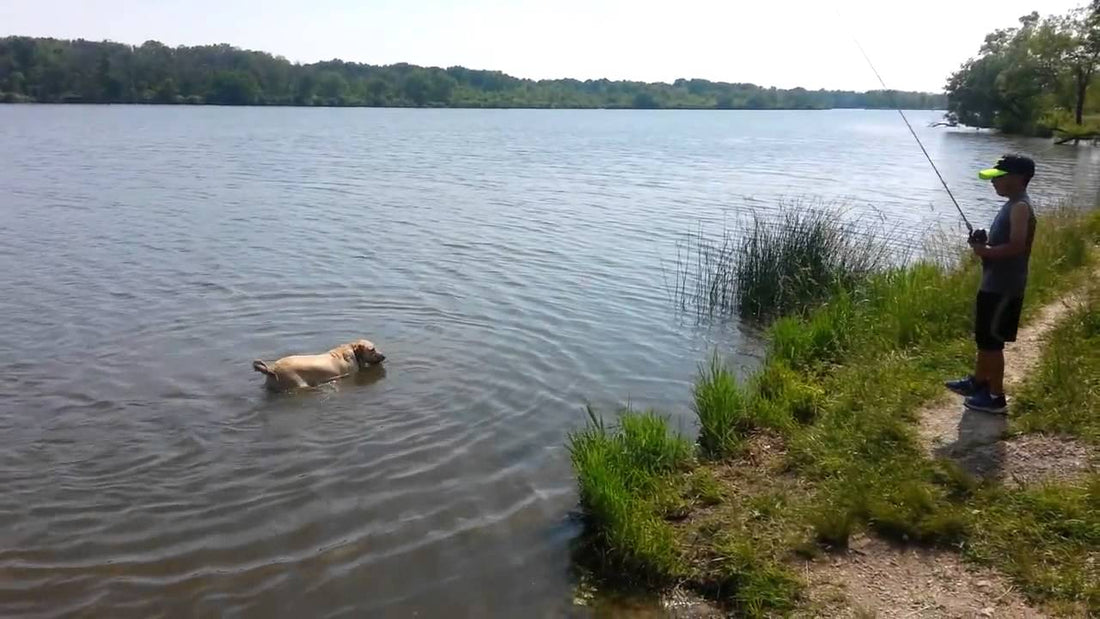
[456,107]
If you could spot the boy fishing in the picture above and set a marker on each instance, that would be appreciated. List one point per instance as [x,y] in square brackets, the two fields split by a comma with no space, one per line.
[1004,255]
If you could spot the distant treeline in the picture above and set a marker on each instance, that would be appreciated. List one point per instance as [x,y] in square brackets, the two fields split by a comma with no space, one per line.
[50,70]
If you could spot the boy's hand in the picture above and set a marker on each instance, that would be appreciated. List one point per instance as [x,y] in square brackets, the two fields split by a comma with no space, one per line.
[977,241]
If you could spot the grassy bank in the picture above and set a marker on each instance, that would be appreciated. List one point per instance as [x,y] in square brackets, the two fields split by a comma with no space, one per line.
[1064,395]
[817,444]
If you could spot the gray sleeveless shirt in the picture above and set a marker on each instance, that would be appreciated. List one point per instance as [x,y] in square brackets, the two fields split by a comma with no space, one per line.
[1008,276]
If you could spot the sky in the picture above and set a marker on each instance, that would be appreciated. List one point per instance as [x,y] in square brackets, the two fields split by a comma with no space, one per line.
[782,43]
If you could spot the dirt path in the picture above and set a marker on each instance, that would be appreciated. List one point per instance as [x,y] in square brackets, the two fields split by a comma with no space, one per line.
[975,440]
[876,579]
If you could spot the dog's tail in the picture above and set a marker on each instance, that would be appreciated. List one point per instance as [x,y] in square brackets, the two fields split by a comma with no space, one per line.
[262,368]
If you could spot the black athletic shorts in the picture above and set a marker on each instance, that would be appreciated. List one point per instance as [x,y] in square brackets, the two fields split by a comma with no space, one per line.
[996,318]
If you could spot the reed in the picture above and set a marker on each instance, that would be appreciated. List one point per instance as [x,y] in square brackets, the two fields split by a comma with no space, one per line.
[782,262]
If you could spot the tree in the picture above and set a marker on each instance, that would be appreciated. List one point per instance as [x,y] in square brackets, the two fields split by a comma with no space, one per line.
[416,87]
[332,88]
[167,91]
[304,90]
[377,91]
[15,82]
[972,93]
[234,88]
[1005,85]
[645,101]
[440,87]
[1026,79]
[1075,46]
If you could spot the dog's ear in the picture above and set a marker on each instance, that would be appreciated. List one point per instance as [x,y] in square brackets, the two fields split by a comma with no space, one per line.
[360,350]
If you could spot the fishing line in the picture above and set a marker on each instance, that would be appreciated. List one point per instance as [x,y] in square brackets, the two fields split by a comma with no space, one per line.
[890,94]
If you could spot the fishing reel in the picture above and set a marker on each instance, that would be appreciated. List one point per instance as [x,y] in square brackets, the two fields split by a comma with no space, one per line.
[978,237]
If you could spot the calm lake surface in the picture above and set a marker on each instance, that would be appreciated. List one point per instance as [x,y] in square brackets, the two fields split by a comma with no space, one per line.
[513,266]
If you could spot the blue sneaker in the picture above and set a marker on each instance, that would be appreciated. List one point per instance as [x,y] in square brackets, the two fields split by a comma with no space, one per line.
[987,403]
[964,386]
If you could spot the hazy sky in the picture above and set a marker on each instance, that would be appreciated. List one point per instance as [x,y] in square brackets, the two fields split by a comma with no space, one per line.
[783,43]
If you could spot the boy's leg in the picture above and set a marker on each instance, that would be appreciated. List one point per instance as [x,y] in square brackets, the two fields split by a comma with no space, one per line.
[1005,323]
[985,365]
[983,311]
[993,361]
[996,319]
[981,368]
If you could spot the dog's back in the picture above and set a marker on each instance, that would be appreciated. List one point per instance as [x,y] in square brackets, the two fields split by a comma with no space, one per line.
[304,371]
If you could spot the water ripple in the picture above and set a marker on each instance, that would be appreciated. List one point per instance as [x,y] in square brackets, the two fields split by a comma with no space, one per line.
[508,263]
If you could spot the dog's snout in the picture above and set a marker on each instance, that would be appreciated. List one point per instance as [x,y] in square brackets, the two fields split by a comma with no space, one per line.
[381,357]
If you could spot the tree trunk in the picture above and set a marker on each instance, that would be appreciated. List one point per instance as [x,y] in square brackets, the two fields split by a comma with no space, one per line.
[1082,89]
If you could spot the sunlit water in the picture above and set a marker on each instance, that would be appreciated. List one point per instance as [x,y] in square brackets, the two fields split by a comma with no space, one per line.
[513,265]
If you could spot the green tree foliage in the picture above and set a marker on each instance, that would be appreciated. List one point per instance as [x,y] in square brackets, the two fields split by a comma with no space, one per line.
[167,92]
[1026,78]
[1074,51]
[51,70]
[233,88]
[332,88]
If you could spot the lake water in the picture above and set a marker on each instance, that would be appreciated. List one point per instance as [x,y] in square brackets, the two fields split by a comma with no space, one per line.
[512,265]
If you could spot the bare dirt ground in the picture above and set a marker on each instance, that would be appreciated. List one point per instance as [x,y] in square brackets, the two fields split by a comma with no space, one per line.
[876,579]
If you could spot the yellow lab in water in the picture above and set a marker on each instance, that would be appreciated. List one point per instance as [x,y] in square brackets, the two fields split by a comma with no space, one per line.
[305,371]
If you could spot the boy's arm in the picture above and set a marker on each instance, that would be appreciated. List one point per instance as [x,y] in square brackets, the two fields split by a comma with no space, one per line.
[1017,242]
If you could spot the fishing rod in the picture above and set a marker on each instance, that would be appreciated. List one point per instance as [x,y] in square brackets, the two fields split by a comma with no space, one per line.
[893,101]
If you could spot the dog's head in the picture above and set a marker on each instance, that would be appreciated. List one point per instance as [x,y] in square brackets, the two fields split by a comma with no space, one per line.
[366,353]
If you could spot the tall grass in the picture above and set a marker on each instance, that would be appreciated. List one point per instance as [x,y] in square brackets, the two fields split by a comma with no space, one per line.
[1062,241]
[722,406]
[1047,538]
[620,472]
[1064,394]
[788,265]
[782,262]
[729,410]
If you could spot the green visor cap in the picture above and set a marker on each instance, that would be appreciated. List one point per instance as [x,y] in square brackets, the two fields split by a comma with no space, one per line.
[991,173]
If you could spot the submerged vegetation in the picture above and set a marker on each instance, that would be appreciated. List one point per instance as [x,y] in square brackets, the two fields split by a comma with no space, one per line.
[820,442]
[60,71]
